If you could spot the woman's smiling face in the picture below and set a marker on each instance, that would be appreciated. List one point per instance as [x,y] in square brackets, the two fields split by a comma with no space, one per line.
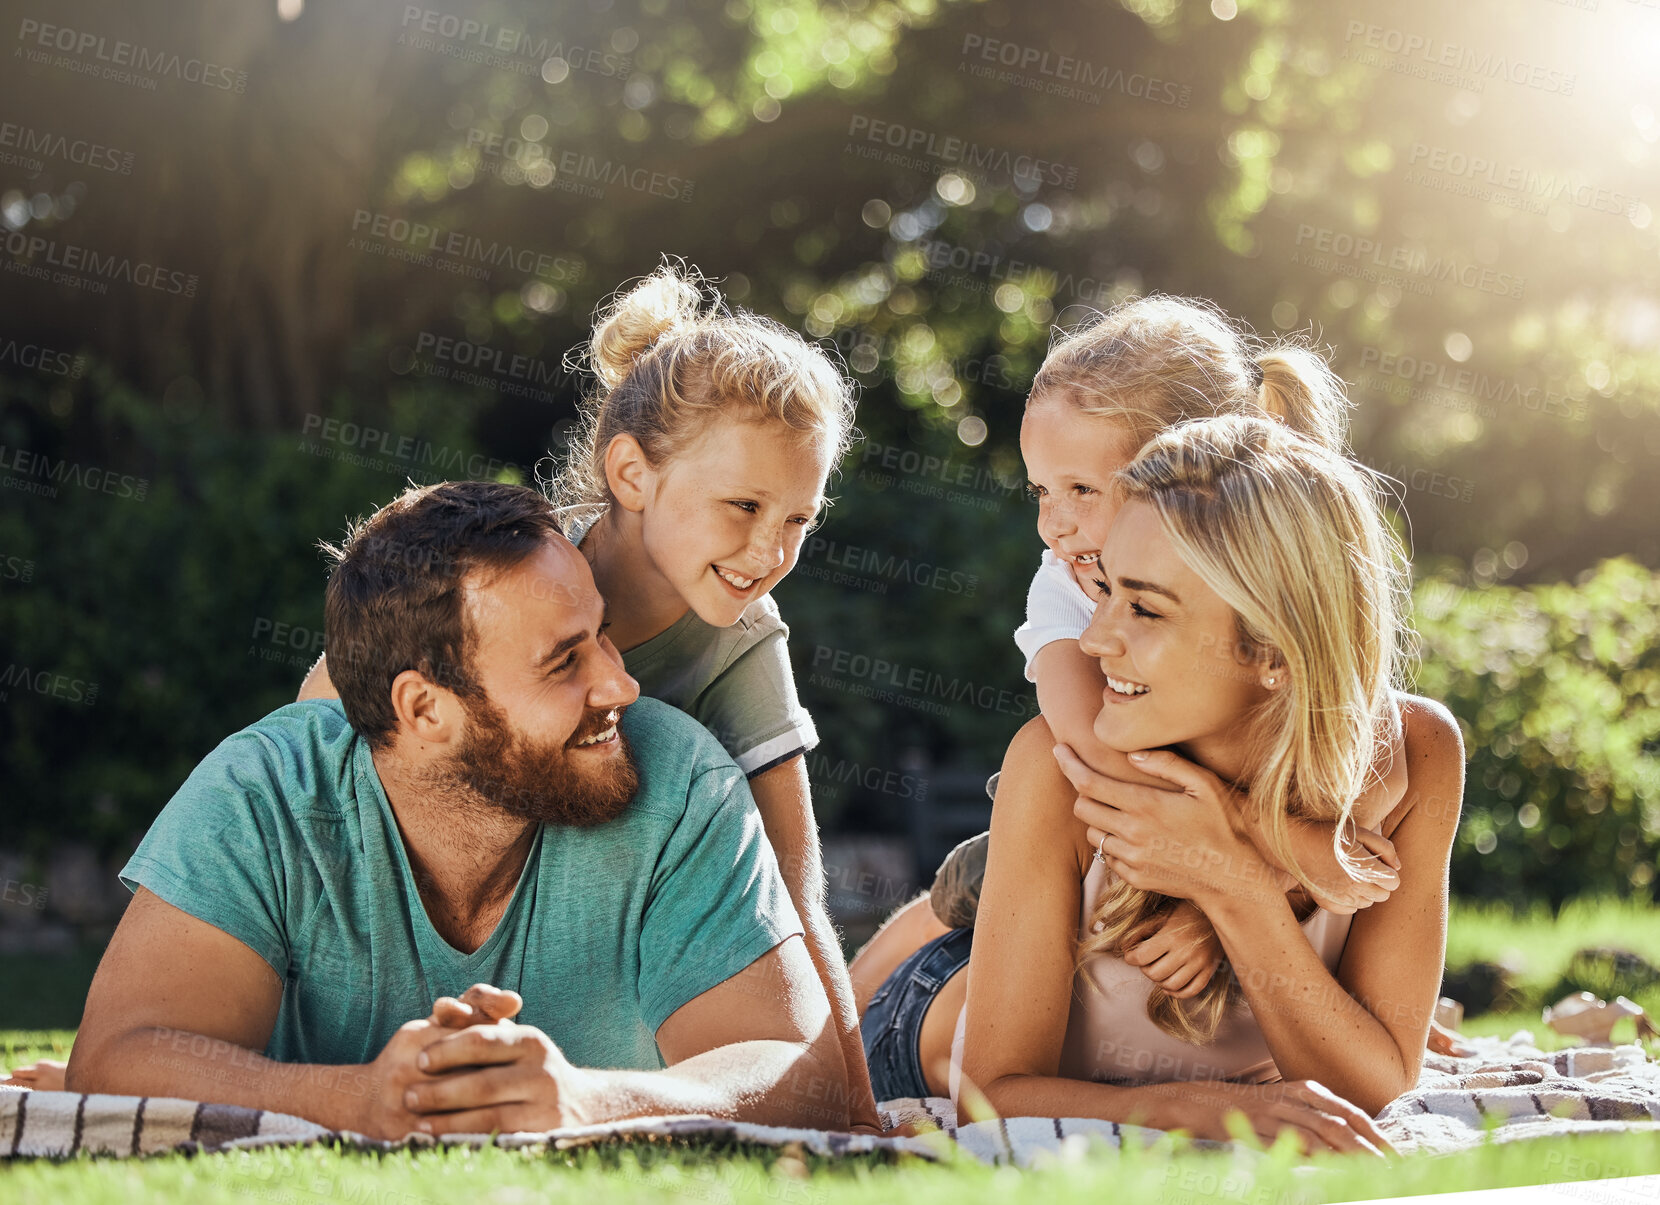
[1070,461]
[1169,645]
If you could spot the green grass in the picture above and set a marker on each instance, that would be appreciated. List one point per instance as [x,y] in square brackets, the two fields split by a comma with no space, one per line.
[1166,1172]
[1538,951]
[1536,947]
[1539,946]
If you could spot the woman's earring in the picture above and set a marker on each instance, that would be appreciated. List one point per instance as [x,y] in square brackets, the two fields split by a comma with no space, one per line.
[1271,680]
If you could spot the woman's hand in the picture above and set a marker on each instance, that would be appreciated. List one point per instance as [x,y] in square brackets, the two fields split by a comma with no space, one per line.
[1317,1117]
[1179,951]
[1179,841]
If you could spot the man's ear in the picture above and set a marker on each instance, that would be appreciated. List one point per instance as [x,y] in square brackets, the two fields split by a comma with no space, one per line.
[629,473]
[426,711]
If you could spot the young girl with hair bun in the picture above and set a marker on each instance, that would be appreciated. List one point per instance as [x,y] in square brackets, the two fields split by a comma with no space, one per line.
[698,469]
[699,466]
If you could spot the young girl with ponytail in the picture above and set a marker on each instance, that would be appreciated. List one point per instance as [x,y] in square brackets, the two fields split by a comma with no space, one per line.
[1104,391]
[1231,532]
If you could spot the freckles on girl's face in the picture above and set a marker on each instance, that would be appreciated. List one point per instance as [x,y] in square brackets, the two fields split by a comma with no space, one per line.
[729,514]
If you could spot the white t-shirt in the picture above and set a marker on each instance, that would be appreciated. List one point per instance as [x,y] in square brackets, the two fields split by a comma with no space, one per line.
[1056,609]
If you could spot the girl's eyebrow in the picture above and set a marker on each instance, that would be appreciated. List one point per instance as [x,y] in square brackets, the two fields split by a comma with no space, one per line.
[1149,588]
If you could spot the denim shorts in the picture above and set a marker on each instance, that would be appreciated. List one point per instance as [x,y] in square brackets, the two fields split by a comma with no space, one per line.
[892,1024]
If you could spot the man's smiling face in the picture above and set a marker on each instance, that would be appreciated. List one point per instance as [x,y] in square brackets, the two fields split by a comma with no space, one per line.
[543,740]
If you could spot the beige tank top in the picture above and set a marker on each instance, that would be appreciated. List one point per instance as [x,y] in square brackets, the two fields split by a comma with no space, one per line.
[1109,1038]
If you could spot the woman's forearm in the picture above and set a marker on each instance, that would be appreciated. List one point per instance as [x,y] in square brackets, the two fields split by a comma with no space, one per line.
[317,684]
[1314,1027]
[1054,1096]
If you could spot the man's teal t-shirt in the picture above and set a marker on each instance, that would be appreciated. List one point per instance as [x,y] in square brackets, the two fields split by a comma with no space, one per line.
[284,839]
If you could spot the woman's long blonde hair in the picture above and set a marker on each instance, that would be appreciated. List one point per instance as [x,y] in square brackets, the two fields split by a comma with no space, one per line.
[667,364]
[1292,536]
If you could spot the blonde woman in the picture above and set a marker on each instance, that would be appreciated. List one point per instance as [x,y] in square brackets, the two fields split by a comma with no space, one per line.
[1237,534]
[1106,388]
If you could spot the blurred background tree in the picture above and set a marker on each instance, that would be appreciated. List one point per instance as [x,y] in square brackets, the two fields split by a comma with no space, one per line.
[1456,203]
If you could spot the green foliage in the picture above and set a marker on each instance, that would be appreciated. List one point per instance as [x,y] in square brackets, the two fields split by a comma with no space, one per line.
[902,611]
[166,604]
[1557,688]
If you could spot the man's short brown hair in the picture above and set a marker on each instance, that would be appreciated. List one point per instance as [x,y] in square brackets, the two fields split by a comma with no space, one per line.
[395,599]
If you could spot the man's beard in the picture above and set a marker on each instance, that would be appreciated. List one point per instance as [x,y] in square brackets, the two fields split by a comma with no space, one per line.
[542,782]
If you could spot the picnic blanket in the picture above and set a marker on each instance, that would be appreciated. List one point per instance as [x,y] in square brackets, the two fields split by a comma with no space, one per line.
[1508,1086]
[1522,1092]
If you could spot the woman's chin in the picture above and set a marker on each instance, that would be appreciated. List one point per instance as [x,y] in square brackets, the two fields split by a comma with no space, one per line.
[1119,737]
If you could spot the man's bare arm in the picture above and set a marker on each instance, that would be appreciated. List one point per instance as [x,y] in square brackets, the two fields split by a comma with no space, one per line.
[180,1008]
[760,1046]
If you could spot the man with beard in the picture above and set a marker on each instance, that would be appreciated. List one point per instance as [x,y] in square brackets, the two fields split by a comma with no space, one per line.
[488,803]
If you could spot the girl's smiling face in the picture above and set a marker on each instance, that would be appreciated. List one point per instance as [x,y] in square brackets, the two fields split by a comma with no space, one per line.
[727,514]
[1070,461]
